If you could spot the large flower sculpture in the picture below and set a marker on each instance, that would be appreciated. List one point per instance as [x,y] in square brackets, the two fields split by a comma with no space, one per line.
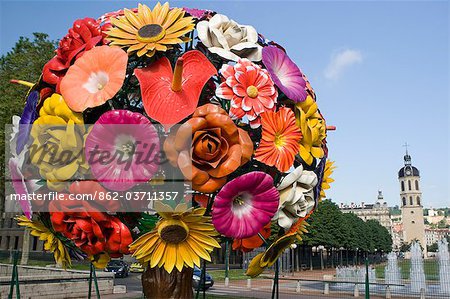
[148,31]
[144,115]
[249,89]
[58,131]
[313,129]
[92,231]
[280,139]
[245,205]
[228,39]
[285,73]
[84,35]
[213,144]
[125,132]
[180,238]
[296,196]
[94,78]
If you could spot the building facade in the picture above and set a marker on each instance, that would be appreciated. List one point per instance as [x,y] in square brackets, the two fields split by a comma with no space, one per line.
[411,203]
[432,235]
[378,211]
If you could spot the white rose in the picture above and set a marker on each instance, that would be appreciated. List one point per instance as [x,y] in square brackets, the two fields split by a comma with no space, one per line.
[228,39]
[296,196]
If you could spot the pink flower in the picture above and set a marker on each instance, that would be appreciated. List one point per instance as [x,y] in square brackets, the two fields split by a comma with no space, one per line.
[245,205]
[285,73]
[250,90]
[122,149]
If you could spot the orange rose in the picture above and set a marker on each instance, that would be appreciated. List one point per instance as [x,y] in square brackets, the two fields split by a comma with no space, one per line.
[208,147]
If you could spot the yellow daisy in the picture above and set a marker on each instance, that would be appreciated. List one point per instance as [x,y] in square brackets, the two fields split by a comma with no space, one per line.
[51,242]
[180,239]
[148,31]
[327,180]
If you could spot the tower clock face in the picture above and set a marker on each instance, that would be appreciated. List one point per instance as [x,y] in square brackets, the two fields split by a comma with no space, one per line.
[408,171]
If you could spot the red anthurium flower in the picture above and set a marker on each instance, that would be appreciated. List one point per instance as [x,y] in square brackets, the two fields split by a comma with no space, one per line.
[170,96]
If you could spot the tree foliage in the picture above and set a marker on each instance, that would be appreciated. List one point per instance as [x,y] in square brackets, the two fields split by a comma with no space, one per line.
[332,228]
[25,62]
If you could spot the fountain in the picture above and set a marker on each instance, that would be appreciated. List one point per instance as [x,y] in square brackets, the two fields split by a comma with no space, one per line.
[444,266]
[417,274]
[392,273]
[352,275]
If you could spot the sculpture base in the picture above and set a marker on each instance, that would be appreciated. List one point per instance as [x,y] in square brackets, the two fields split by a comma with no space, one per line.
[157,283]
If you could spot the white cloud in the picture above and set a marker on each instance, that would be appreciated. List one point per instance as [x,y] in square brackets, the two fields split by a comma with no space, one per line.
[341,61]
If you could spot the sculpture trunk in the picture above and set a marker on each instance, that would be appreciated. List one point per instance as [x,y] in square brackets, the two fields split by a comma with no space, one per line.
[157,283]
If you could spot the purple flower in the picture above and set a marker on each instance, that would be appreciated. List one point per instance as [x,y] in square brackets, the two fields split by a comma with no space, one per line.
[285,73]
[245,205]
[196,13]
[29,115]
[122,149]
[19,185]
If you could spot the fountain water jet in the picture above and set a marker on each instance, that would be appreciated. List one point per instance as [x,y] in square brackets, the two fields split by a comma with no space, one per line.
[392,271]
[417,274]
[444,266]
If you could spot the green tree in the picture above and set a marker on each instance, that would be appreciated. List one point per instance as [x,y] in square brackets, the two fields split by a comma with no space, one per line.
[25,62]
[433,247]
[353,231]
[325,226]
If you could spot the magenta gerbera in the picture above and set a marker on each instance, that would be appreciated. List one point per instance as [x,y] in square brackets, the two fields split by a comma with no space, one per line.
[285,73]
[122,149]
[245,205]
[250,90]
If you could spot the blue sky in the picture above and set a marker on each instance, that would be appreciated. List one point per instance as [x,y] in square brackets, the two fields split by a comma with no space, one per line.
[380,70]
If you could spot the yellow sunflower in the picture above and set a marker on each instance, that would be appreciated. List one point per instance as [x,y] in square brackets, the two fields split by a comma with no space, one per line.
[51,242]
[327,180]
[148,31]
[180,239]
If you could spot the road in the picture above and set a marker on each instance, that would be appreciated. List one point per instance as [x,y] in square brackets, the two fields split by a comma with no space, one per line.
[260,289]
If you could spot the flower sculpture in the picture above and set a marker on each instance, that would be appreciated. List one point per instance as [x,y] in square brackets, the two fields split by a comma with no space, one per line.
[124,132]
[285,73]
[249,89]
[180,90]
[280,139]
[182,237]
[217,145]
[296,196]
[84,35]
[93,232]
[94,78]
[165,131]
[228,39]
[147,31]
[245,205]
[52,242]
[58,130]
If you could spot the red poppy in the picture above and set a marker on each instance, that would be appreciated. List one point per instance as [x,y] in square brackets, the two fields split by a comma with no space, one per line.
[170,96]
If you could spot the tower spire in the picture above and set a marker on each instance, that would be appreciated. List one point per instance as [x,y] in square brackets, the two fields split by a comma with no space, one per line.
[407,157]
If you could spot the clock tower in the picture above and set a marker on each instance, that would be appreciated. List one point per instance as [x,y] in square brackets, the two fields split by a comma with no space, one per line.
[411,203]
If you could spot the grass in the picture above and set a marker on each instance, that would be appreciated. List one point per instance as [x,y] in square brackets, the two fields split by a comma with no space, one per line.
[233,274]
[431,269]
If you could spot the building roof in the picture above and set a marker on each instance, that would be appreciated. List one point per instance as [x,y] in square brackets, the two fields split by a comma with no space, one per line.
[413,171]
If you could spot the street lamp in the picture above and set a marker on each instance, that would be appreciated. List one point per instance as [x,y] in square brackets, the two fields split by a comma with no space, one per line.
[313,249]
